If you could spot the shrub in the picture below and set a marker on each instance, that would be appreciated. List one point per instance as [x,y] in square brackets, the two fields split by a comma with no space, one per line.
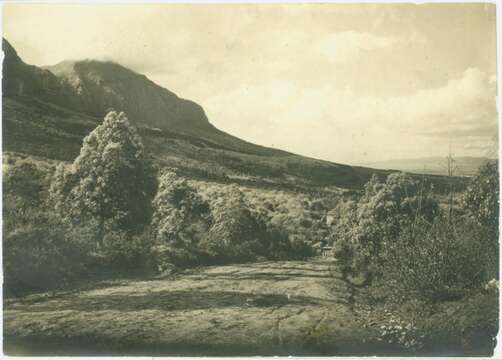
[481,202]
[300,246]
[437,261]
[41,256]
[481,197]
[26,179]
[167,257]
[25,185]
[125,252]
[344,221]
[180,221]
[235,233]
[362,227]
[179,211]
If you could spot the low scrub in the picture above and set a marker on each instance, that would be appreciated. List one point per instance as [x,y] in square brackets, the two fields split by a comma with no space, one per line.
[436,262]
[41,257]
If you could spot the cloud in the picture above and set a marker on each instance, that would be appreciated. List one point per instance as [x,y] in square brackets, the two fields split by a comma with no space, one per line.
[345,45]
[340,125]
[336,81]
[465,104]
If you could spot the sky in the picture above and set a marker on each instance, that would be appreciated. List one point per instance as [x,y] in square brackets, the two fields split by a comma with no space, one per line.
[340,82]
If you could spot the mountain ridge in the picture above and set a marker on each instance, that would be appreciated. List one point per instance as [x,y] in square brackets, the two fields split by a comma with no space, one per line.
[94,87]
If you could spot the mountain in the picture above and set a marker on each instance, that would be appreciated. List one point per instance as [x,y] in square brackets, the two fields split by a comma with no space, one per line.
[463,165]
[94,87]
[47,112]
[20,79]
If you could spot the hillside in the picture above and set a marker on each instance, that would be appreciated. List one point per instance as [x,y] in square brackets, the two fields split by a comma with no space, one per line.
[47,112]
[92,88]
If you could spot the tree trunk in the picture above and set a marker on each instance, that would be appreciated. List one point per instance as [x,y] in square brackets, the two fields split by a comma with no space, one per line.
[101,233]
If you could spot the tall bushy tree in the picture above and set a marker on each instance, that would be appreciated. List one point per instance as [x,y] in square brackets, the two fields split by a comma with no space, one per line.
[181,217]
[111,183]
[385,207]
[379,216]
[180,220]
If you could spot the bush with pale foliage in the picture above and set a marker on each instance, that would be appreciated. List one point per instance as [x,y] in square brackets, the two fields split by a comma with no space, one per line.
[110,182]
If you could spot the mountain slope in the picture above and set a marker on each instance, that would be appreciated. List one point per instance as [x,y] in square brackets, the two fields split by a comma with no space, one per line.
[20,79]
[47,112]
[94,87]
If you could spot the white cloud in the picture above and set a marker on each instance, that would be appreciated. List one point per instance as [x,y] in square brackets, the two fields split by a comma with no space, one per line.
[344,46]
[465,103]
[339,125]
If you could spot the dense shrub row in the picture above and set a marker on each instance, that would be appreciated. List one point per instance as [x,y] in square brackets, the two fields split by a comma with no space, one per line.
[196,225]
[108,212]
[299,216]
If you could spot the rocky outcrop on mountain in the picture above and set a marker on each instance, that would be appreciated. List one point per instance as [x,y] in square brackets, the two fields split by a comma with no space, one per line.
[95,87]
[20,79]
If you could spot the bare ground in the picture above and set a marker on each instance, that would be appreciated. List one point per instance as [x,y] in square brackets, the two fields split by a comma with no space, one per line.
[267,308]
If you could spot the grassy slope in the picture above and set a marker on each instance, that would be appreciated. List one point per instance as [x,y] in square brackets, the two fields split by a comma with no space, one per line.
[46,130]
[37,128]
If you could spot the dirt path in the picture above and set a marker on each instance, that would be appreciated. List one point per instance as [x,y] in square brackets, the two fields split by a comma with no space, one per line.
[269,308]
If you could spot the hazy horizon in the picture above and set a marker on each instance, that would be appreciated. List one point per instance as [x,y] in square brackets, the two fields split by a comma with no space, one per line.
[339,82]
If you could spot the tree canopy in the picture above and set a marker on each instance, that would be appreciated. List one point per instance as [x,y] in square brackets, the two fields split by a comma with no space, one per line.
[481,198]
[180,216]
[110,183]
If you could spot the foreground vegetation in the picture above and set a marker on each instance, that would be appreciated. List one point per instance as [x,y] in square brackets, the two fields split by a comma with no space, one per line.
[112,213]
[398,233]
[421,256]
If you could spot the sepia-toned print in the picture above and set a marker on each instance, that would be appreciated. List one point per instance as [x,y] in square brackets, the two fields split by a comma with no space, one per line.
[250,179]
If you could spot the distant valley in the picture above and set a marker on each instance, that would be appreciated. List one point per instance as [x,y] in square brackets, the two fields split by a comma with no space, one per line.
[463,165]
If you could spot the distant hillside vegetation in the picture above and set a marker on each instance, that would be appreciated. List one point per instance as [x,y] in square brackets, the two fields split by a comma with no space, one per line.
[464,165]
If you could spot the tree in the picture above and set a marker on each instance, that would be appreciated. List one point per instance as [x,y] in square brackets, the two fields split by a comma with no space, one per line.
[25,185]
[110,183]
[379,216]
[181,217]
[180,220]
[481,197]
[481,202]
[386,207]
[235,233]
